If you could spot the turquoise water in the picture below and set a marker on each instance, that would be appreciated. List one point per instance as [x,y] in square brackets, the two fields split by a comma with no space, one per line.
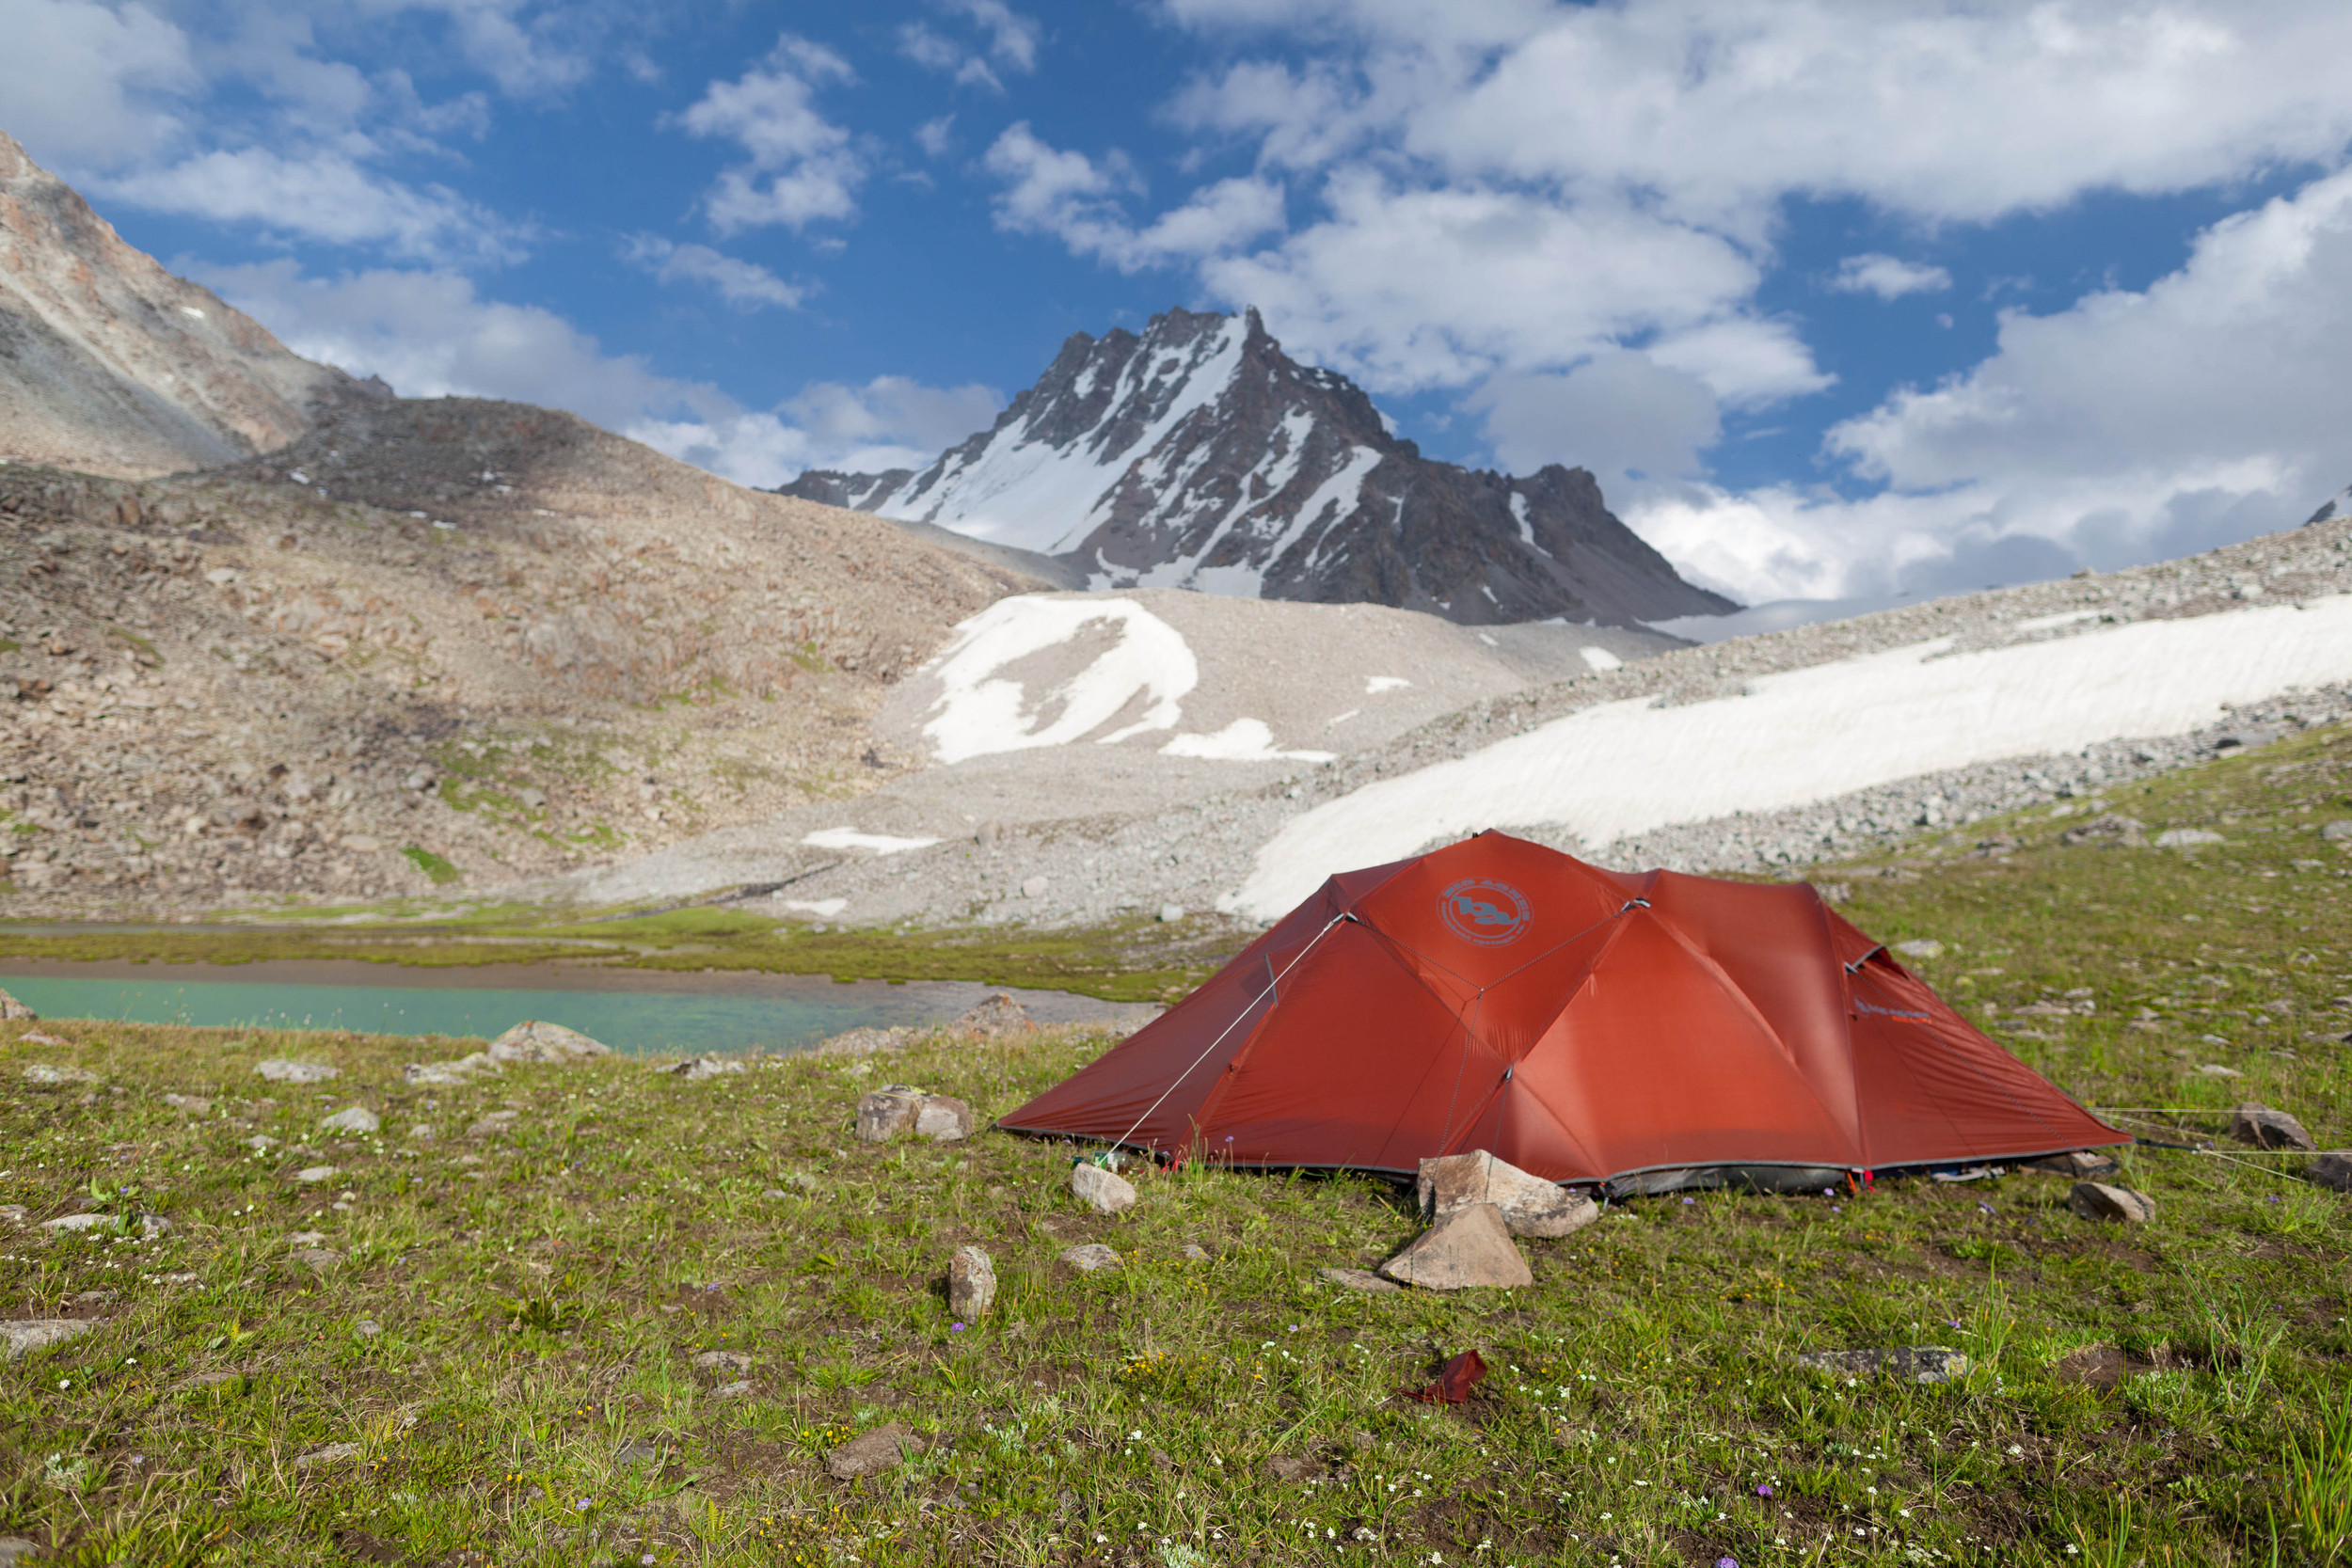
[786,1013]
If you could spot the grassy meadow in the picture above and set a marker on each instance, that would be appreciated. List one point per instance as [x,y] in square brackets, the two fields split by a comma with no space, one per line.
[476,1344]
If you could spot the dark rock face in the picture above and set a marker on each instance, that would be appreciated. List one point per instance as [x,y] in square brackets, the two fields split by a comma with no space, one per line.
[1200,455]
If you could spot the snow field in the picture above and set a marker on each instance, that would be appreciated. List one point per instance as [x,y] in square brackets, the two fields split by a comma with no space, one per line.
[1803,736]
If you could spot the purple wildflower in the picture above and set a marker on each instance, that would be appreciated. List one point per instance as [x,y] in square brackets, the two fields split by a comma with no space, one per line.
[1765,1490]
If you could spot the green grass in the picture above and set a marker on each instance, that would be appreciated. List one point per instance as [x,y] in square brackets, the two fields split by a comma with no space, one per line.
[439,871]
[539,1309]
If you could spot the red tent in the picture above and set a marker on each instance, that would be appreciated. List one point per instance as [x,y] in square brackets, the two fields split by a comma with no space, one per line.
[1582,1024]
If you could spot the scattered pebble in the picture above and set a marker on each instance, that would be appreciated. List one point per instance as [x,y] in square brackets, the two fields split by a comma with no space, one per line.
[309,1175]
[279,1071]
[355,1118]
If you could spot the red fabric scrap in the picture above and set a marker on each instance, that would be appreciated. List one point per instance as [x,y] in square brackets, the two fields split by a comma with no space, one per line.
[1456,1380]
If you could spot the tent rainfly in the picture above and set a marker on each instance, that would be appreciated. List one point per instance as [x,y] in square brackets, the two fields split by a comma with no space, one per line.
[1645,1031]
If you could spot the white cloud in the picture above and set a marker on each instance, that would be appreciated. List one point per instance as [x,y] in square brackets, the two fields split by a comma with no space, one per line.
[890,422]
[89,84]
[1619,414]
[745,285]
[801,168]
[1079,201]
[1887,276]
[933,135]
[322,195]
[1013,38]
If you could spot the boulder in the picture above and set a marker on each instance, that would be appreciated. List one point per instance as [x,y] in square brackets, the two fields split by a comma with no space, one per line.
[1530,1205]
[2081,1163]
[1469,1247]
[2096,1200]
[535,1041]
[944,1118]
[2334,833]
[2333,1169]
[1358,1279]
[352,1118]
[279,1071]
[699,1068]
[887,1112]
[717,1361]
[32,1333]
[1091,1258]
[971,1283]
[1911,1363]
[2186,838]
[312,1175]
[10,1008]
[50,1074]
[2108,828]
[1104,1191]
[2265,1128]
[880,1450]
[998,1014]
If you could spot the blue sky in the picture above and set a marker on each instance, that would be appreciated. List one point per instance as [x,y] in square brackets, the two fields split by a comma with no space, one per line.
[1838,298]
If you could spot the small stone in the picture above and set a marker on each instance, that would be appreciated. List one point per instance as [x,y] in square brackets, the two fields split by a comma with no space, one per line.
[35,1036]
[432,1076]
[2186,838]
[15,1549]
[2108,828]
[880,1450]
[998,1014]
[1090,1258]
[12,1009]
[193,1104]
[367,1328]
[944,1118]
[14,1213]
[1911,1363]
[318,1257]
[1193,1252]
[700,1068]
[1920,947]
[1530,1206]
[2215,1069]
[306,1238]
[362,842]
[724,1361]
[2077,1162]
[279,1071]
[1291,1468]
[149,1225]
[494,1124]
[1034,887]
[23,1334]
[2096,1200]
[312,1175]
[636,1451]
[735,1390]
[260,1143]
[887,1112]
[2265,1128]
[1469,1247]
[1170,914]
[352,1118]
[535,1041]
[49,1073]
[2333,1170]
[422,1132]
[971,1283]
[2093,1367]
[334,1454]
[1102,1190]
[1358,1279]
[2334,833]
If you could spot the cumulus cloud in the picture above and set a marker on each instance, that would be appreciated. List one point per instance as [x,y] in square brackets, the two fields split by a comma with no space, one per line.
[1080,202]
[83,84]
[745,285]
[890,422]
[322,195]
[1622,415]
[1887,276]
[1009,44]
[799,168]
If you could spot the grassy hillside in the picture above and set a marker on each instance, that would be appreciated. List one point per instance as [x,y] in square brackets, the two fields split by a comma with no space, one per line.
[506,1336]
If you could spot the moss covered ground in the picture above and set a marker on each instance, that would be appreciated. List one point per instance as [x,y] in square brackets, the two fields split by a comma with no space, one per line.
[503,1325]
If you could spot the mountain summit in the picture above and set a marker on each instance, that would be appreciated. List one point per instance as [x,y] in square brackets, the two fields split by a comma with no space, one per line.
[111,364]
[1200,455]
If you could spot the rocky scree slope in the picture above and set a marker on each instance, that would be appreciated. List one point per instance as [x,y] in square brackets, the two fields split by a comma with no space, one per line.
[489,633]
[1200,455]
[111,364]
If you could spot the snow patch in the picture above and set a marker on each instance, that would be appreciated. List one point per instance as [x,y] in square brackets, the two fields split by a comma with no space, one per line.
[1811,735]
[1518,516]
[1374,684]
[979,711]
[2063,618]
[823,909]
[1243,740]
[1600,659]
[849,838]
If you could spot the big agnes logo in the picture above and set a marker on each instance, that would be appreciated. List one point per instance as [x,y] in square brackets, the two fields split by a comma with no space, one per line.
[1483,912]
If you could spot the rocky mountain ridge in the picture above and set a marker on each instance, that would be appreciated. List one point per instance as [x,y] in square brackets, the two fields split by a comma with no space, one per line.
[1198,454]
[111,364]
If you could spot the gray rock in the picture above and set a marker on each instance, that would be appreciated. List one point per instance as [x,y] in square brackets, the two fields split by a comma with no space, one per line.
[2108,828]
[147,1224]
[12,1009]
[312,1175]
[998,1014]
[1193,1252]
[1530,1206]
[944,1118]
[2096,1200]
[1170,914]
[1090,1258]
[1358,1279]
[2186,838]
[2079,1162]
[25,1335]
[193,1104]
[279,1071]
[260,1143]
[367,1328]
[2265,1128]
[700,1068]
[1034,887]
[2334,833]
[334,1454]
[353,1118]
[724,1361]
[1102,1190]
[636,1451]
[2333,1170]
[317,1257]
[883,1113]
[2215,1069]
[971,1283]
[432,1075]
[1920,947]
[1911,1363]
[14,1213]
[535,1041]
[49,1073]
[494,1124]
[15,1549]
[735,1390]
[882,1449]
[1468,1248]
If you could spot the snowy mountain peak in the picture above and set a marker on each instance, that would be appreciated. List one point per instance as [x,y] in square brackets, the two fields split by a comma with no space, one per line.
[1198,454]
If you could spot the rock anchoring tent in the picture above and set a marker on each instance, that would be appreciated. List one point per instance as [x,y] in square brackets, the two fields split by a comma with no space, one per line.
[1649,1031]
